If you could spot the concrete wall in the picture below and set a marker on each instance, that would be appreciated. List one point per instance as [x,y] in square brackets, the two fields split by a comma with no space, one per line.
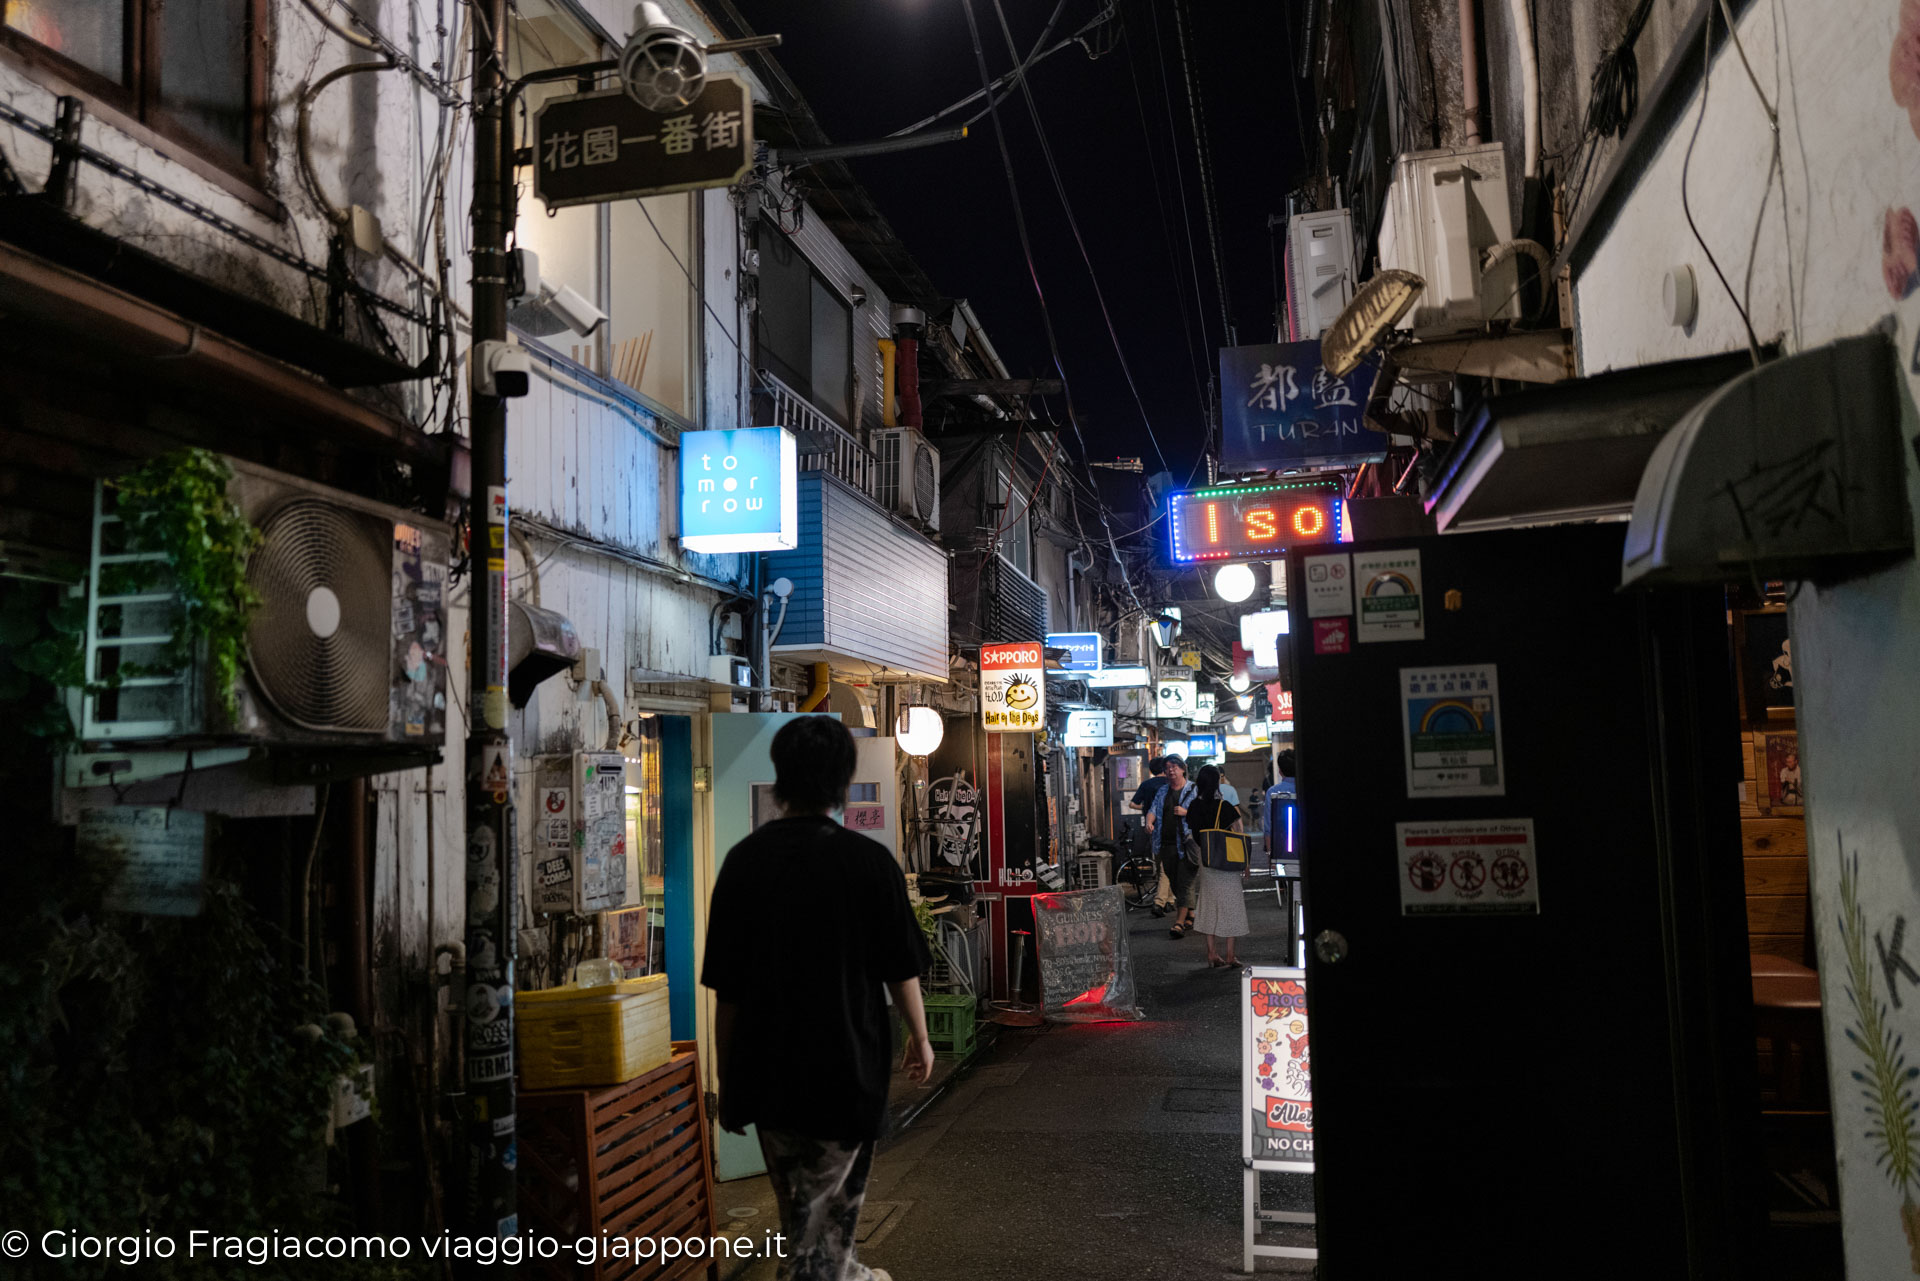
[1849,155]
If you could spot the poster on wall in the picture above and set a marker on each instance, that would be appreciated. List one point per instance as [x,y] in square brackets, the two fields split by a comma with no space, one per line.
[1086,970]
[553,836]
[1389,587]
[600,868]
[1276,1070]
[1472,867]
[1013,687]
[954,810]
[162,855]
[1450,717]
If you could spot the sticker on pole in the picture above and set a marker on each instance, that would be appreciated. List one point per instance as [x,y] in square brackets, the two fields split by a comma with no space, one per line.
[1276,1070]
[1470,867]
[1451,720]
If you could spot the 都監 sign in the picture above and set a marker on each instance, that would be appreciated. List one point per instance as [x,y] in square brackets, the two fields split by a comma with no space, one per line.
[1013,687]
[601,146]
[1280,410]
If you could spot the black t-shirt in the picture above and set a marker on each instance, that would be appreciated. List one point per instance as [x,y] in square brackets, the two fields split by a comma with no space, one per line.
[1143,795]
[808,922]
[1215,812]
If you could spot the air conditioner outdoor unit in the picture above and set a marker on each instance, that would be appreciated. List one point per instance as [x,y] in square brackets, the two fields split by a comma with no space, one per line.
[1444,210]
[909,475]
[1319,271]
[348,648]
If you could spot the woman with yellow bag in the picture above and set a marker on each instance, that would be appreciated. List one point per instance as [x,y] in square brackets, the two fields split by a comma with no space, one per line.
[1216,828]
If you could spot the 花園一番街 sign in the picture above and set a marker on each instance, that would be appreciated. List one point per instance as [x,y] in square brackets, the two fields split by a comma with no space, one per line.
[595,147]
[1280,410]
[1013,687]
[739,490]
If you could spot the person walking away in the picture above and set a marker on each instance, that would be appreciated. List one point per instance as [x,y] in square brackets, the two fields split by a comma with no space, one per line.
[809,922]
[1170,807]
[1279,796]
[1222,913]
[1143,800]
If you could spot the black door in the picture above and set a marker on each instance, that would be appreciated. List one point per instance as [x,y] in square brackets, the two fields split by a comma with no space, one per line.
[1505,1090]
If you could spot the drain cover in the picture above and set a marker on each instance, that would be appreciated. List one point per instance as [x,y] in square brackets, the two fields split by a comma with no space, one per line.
[874,1216]
[1189,1099]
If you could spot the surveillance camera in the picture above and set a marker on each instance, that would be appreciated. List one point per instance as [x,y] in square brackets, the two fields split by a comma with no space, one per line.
[663,67]
[581,316]
[859,296]
[523,275]
[501,369]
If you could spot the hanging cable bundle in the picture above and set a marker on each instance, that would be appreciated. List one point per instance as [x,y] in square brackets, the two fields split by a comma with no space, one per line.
[1616,81]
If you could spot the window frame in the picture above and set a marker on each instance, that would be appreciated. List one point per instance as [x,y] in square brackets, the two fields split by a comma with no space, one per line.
[819,277]
[134,99]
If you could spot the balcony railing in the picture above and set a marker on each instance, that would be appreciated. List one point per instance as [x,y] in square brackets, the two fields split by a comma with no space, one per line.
[824,444]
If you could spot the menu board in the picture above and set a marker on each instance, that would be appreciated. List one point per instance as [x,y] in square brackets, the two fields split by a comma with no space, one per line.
[1276,1071]
[162,856]
[1086,970]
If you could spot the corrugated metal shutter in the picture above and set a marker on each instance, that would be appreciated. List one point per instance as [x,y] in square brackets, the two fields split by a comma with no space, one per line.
[1017,607]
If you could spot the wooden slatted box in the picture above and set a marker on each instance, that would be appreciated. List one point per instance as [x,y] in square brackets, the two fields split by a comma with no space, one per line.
[626,1160]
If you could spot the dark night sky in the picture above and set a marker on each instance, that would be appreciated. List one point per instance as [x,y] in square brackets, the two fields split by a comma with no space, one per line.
[1117,124]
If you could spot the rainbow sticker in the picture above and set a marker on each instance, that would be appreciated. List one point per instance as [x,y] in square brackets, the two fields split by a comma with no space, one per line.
[1390,607]
[1451,716]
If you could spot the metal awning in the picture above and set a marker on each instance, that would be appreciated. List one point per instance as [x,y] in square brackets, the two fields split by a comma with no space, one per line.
[1570,451]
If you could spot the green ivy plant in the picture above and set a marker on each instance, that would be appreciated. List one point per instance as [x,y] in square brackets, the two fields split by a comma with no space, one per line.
[177,504]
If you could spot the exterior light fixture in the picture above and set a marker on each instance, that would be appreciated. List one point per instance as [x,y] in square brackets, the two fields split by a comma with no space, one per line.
[1234,582]
[1240,724]
[1246,705]
[1239,682]
[919,731]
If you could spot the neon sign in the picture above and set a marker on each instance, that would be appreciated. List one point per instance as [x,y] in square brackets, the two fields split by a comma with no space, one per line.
[1253,522]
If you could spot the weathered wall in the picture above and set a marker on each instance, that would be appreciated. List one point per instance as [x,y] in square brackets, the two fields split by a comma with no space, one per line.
[1850,155]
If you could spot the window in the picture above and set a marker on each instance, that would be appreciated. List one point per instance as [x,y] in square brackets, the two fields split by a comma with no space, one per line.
[803,330]
[1016,540]
[191,70]
[607,253]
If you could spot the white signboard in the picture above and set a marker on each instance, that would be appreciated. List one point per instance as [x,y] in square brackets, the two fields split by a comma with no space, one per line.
[1207,702]
[1118,677]
[1261,634]
[163,857]
[1089,729]
[1013,687]
[1450,718]
[1329,585]
[1470,867]
[1276,1070]
[1389,584]
[1176,698]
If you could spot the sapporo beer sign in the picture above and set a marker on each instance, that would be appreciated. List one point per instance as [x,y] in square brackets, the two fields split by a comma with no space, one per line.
[602,146]
[1013,687]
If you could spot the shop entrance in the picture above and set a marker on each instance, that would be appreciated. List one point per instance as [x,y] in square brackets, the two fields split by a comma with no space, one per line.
[1526,936]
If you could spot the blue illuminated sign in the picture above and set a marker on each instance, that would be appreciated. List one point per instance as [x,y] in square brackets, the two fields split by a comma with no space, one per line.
[1203,747]
[739,490]
[1083,650]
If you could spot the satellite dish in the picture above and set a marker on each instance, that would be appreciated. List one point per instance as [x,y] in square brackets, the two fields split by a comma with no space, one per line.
[1360,326]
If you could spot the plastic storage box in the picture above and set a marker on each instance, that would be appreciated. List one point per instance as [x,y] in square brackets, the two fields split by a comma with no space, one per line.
[950,1024]
[601,1035]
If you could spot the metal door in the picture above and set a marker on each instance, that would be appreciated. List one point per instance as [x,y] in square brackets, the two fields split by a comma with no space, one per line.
[1502,1092]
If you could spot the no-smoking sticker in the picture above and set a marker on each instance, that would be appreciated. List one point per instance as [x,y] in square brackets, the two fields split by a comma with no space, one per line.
[1472,867]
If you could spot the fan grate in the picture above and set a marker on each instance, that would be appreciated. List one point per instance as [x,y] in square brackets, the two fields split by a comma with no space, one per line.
[321,643]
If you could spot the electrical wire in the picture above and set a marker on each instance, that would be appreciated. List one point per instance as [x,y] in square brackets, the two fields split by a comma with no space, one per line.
[1686,207]
[1209,202]
[1073,224]
[1614,94]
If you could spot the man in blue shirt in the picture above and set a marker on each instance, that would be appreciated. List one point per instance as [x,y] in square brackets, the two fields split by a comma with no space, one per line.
[1168,827]
[1279,797]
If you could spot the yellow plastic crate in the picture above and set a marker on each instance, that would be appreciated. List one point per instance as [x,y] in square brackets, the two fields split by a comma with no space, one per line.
[602,1035]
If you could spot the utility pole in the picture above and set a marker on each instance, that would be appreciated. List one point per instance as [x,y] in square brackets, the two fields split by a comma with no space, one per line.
[489,1208]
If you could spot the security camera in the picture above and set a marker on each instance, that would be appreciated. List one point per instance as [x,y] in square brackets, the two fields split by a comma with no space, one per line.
[501,369]
[581,316]
[663,67]
[859,296]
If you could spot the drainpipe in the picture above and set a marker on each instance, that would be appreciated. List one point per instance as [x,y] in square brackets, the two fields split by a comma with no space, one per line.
[886,383]
[908,324]
[822,684]
[976,334]
[1530,86]
[1469,72]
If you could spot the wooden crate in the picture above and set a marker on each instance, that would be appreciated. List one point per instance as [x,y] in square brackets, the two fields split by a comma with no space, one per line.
[630,1160]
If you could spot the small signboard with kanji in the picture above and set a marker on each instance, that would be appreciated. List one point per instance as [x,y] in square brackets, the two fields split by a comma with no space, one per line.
[595,147]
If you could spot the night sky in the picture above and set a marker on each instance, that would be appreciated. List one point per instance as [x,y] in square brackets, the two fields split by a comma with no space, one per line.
[1122,133]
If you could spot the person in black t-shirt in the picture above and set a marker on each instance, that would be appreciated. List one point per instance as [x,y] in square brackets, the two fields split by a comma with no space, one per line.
[808,922]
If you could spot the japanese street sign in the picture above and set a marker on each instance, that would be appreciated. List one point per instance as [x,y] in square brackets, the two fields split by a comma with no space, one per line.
[595,147]
[1281,410]
[1276,1070]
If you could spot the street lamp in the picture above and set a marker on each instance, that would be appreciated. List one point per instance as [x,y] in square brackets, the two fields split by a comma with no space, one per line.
[1239,682]
[1234,582]
[1246,703]
[1240,723]
[919,731]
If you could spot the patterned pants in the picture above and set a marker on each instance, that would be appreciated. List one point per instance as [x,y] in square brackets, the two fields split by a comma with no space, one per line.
[819,1185]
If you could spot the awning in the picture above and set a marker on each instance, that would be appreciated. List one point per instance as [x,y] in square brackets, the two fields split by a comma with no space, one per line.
[1571,451]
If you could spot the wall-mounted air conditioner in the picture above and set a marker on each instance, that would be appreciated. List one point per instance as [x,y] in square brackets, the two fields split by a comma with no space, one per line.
[347,649]
[1444,210]
[909,475]
[1319,271]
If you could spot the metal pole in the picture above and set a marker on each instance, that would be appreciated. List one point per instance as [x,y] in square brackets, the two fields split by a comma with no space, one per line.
[490,1206]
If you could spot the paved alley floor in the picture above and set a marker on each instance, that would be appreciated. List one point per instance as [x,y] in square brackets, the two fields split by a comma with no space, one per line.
[1070,1152]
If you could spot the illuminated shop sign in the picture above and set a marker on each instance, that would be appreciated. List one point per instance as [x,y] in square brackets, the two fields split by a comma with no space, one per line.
[1253,522]
[1089,729]
[1013,687]
[1118,677]
[739,490]
[1083,650]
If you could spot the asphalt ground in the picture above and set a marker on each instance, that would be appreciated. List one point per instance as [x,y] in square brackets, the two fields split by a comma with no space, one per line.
[1078,1151]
